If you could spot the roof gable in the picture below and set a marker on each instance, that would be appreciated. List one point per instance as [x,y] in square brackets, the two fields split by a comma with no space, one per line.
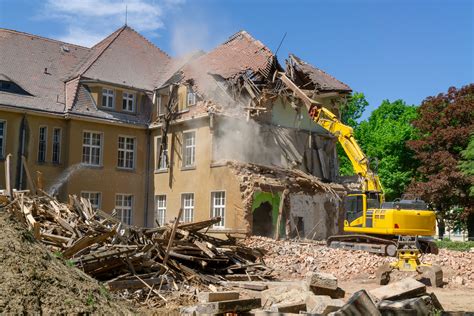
[126,58]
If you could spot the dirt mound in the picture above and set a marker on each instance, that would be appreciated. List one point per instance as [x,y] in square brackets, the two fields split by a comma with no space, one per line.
[33,280]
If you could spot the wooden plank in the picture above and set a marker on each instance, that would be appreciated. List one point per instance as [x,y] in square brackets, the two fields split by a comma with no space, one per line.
[233,306]
[86,241]
[204,248]
[134,284]
[8,187]
[208,297]
[29,179]
[173,233]
[280,213]
[55,238]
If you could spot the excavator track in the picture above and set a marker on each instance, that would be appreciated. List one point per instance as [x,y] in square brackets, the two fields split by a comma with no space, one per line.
[383,246]
[387,247]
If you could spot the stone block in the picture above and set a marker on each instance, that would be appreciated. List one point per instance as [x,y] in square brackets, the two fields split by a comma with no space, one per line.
[406,288]
[289,307]
[321,280]
[359,304]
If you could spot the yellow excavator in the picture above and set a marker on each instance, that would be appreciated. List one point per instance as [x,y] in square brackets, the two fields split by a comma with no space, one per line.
[389,228]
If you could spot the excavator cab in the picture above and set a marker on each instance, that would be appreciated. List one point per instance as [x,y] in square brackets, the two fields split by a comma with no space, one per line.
[356,205]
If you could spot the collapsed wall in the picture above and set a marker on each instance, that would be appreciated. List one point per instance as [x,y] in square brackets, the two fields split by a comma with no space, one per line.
[312,209]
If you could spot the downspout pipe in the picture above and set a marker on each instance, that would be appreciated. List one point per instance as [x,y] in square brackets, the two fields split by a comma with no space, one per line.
[147,176]
[19,183]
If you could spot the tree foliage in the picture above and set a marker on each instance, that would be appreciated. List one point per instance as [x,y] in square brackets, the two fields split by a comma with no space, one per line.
[351,112]
[383,137]
[467,163]
[445,123]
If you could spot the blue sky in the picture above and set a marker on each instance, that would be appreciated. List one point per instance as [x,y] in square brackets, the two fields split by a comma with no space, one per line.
[405,49]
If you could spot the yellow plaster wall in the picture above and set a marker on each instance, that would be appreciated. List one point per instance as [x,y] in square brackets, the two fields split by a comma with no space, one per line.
[108,178]
[201,180]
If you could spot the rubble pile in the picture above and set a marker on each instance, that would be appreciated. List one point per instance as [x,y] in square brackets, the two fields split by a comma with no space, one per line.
[136,261]
[291,259]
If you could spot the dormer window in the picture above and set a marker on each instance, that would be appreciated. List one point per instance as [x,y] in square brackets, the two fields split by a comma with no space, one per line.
[108,98]
[128,102]
[10,86]
[191,99]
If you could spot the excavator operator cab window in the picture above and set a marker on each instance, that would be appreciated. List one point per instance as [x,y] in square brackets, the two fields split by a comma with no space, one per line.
[354,206]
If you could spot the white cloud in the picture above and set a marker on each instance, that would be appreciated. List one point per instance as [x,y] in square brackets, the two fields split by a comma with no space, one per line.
[88,21]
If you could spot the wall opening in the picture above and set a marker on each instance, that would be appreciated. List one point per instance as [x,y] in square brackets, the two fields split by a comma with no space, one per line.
[262,220]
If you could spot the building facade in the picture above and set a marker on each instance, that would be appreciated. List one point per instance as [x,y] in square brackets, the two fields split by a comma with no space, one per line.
[142,134]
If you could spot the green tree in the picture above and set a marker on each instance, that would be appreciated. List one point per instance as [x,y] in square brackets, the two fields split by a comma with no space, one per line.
[383,138]
[467,163]
[351,111]
[445,123]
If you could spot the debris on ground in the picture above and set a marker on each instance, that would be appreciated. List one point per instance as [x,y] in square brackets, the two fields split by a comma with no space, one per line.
[139,263]
[293,260]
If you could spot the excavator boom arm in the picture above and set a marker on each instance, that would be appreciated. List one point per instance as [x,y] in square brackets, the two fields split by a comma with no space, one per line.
[344,134]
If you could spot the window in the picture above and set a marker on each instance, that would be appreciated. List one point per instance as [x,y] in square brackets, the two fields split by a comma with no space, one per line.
[189,149]
[91,148]
[160,210]
[126,152]
[124,207]
[3,132]
[94,197]
[218,207]
[162,163]
[128,102]
[11,87]
[56,145]
[108,98]
[187,203]
[43,135]
[191,97]
[159,105]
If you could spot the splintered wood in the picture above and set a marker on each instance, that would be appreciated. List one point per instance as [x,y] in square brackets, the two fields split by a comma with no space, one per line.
[128,257]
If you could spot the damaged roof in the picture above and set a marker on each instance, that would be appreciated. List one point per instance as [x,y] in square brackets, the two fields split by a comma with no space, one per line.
[304,74]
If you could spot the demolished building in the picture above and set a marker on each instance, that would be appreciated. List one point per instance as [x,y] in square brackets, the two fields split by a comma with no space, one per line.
[216,133]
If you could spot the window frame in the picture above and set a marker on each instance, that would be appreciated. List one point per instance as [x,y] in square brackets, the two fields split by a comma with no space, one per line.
[221,224]
[184,217]
[58,144]
[125,150]
[126,99]
[193,150]
[107,95]
[190,101]
[160,111]
[158,218]
[42,142]
[101,147]
[4,139]
[99,197]
[158,140]
[120,209]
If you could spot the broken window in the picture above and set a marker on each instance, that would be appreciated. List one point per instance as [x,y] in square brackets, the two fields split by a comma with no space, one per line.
[56,145]
[189,149]
[160,110]
[91,148]
[218,207]
[3,131]
[191,97]
[124,207]
[93,197]
[128,102]
[161,164]
[160,210]
[43,134]
[108,98]
[187,203]
[126,152]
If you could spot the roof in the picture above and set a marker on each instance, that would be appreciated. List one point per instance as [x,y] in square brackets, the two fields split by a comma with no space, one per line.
[127,58]
[239,54]
[38,65]
[313,78]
